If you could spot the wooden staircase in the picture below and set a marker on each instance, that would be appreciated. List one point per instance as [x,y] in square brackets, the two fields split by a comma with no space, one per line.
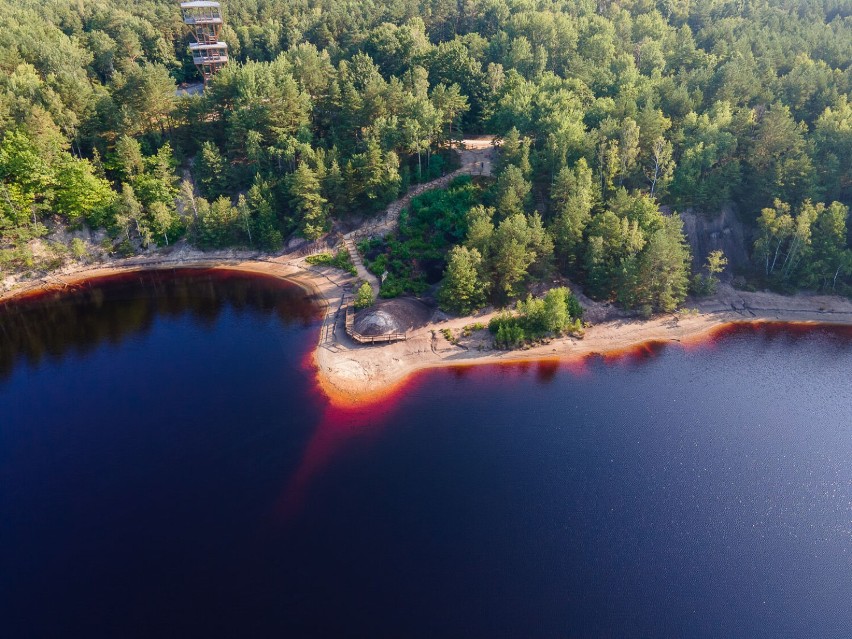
[363,273]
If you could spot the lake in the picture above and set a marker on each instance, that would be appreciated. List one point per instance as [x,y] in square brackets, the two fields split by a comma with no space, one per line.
[169,468]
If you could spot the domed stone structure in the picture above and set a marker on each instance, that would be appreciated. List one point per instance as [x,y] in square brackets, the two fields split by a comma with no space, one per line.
[377,322]
[392,316]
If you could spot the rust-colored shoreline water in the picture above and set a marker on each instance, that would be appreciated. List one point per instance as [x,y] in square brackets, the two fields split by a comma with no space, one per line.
[548,365]
[190,434]
[348,396]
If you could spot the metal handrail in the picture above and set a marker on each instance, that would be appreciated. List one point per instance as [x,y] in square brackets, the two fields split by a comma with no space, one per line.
[191,20]
[209,58]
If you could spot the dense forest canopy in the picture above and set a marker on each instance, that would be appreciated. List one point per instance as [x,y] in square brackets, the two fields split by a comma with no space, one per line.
[607,109]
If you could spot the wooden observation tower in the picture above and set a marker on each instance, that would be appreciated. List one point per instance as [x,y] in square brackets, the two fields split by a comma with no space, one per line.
[204,20]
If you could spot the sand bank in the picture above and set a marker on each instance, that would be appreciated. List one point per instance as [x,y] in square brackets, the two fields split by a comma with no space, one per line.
[359,375]
[352,374]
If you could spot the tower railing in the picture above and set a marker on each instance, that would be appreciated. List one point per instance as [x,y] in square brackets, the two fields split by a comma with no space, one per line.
[204,19]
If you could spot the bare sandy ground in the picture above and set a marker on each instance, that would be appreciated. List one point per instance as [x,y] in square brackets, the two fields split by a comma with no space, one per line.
[354,375]
[350,373]
[314,280]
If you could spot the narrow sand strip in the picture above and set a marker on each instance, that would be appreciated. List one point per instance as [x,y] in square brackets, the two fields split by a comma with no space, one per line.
[351,374]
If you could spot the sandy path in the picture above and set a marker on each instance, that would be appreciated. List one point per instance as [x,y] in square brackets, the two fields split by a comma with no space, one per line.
[476,156]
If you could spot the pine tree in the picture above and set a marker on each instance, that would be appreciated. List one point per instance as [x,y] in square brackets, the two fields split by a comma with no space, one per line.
[573,197]
[210,171]
[129,161]
[463,289]
[307,200]
[660,280]
[513,192]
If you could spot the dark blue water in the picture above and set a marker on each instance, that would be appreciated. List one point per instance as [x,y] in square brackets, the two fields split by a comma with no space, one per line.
[167,468]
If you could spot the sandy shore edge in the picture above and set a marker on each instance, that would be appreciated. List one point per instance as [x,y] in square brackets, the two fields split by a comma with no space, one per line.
[351,375]
[61,280]
[610,340]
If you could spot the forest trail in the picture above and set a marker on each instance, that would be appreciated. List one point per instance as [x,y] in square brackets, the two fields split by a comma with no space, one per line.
[477,156]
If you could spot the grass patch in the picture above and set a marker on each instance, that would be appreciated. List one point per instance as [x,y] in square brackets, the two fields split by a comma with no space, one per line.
[339,260]
[449,336]
[469,329]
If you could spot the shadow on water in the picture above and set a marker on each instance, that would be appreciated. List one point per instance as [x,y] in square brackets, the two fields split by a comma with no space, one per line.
[52,325]
[546,371]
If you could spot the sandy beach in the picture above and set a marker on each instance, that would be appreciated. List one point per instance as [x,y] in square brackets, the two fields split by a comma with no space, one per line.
[353,374]
[369,373]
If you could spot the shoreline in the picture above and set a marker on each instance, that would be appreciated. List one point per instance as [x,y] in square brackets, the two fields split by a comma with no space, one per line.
[59,280]
[352,375]
[345,390]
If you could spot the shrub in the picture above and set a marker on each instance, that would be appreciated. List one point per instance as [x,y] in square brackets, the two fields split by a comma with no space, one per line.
[510,335]
[364,296]
[507,331]
[556,313]
[78,248]
[553,313]
[339,260]
[469,329]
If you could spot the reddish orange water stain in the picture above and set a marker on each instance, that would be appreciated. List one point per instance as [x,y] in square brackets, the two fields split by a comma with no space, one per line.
[343,421]
[636,354]
[339,424]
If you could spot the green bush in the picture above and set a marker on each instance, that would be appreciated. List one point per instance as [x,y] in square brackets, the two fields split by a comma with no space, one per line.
[556,313]
[469,329]
[364,296]
[415,257]
[339,260]
[553,313]
[78,248]
[510,336]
